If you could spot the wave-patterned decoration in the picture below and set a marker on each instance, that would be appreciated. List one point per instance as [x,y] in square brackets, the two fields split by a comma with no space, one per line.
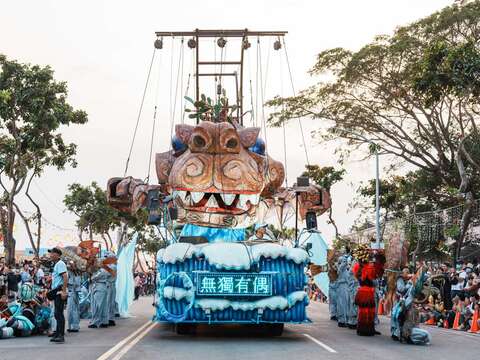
[176,300]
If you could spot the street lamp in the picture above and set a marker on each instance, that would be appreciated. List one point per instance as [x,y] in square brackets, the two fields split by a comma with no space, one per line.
[377,183]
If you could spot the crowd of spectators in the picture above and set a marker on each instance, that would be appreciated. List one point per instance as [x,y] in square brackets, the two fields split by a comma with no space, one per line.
[144,284]
[458,298]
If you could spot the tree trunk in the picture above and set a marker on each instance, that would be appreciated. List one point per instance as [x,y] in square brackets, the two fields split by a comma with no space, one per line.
[334,224]
[464,188]
[9,240]
[29,231]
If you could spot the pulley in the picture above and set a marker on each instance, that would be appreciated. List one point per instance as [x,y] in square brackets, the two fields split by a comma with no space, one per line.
[221,42]
[158,43]
[192,43]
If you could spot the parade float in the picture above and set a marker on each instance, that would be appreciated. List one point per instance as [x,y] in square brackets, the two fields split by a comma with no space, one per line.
[216,181]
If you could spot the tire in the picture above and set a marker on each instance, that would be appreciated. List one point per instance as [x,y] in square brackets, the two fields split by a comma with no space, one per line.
[185,329]
[275,329]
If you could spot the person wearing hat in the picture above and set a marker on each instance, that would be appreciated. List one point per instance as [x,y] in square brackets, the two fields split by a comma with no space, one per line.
[59,289]
[261,233]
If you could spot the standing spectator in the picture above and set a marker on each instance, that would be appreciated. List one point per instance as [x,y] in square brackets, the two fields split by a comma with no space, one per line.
[25,274]
[59,293]
[138,285]
[3,281]
[39,276]
[447,288]
[12,282]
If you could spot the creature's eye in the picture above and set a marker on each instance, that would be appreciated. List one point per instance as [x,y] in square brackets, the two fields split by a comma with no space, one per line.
[232,143]
[259,147]
[177,145]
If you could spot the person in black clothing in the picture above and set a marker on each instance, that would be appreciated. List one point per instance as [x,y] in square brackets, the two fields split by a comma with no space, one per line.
[447,288]
[12,282]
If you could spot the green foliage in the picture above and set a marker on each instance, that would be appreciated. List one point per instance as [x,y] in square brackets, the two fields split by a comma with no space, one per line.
[90,204]
[150,242]
[325,176]
[33,107]
[206,110]
[414,93]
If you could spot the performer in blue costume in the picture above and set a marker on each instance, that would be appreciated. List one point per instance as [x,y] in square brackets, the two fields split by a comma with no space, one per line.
[346,287]
[74,287]
[112,303]
[332,300]
[404,321]
[100,280]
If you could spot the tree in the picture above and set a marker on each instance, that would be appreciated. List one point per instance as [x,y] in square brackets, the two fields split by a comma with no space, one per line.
[407,92]
[33,108]
[326,177]
[95,216]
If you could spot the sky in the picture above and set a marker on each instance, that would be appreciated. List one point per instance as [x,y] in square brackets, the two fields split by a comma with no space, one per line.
[102,49]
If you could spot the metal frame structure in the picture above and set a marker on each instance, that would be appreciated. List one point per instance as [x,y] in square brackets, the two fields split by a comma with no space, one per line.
[242,34]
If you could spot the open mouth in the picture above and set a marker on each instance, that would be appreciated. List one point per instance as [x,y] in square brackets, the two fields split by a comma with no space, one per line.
[216,202]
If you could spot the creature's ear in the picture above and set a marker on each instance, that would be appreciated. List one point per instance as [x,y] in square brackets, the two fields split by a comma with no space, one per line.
[275,176]
[248,136]
[163,164]
[183,132]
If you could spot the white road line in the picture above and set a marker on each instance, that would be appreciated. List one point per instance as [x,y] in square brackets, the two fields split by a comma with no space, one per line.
[318,342]
[133,342]
[123,342]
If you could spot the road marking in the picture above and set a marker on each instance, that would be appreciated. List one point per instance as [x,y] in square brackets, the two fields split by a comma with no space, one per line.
[318,342]
[127,347]
[123,342]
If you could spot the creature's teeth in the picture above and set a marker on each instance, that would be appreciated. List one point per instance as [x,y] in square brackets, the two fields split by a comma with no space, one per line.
[228,199]
[252,199]
[212,202]
[196,196]
[242,202]
[181,194]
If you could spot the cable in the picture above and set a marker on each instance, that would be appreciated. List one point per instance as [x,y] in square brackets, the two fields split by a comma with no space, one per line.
[283,123]
[294,94]
[139,114]
[157,91]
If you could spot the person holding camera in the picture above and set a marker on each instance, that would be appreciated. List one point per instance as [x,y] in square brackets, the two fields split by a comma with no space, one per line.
[58,293]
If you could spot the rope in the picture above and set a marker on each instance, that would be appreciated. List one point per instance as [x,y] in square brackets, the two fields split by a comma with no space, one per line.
[139,114]
[283,124]
[157,91]
[180,59]
[294,94]
[263,108]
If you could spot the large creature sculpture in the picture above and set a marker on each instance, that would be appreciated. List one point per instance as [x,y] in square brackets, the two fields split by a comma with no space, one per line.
[217,173]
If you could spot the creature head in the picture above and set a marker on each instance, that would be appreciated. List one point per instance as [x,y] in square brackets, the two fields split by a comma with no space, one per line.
[217,173]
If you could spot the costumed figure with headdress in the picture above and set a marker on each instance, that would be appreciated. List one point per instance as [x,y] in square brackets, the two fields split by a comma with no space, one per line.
[332,284]
[367,269]
[345,289]
[110,264]
[73,301]
[405,319]
[99,298]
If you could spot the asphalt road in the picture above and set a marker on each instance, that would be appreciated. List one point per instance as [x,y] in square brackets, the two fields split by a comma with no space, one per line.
[137,338]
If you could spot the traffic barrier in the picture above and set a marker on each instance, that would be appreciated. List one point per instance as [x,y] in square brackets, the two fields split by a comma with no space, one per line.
[456,322]
[381,310]
[474,328]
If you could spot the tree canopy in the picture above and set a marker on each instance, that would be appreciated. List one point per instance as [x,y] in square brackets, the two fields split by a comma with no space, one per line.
[414,94]
[33,109]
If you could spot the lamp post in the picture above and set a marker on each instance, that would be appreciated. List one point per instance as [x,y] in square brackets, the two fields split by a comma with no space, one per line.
[377,183]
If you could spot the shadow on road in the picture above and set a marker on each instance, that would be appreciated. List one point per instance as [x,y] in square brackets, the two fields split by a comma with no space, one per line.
[234,331]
